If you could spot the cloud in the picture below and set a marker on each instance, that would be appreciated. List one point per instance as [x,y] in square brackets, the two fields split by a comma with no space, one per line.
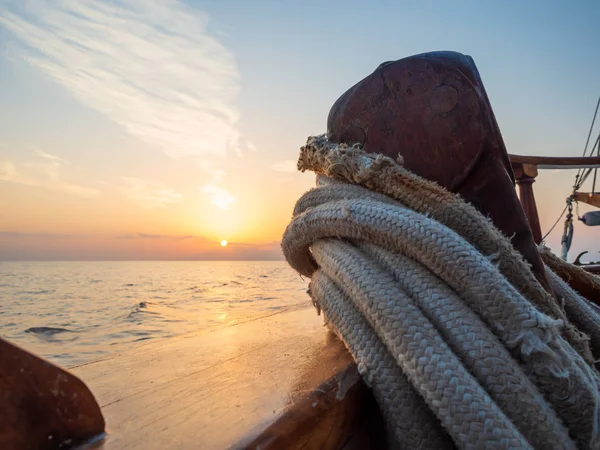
[250,146]
[149,194]
[220,197]
[286,166]
[142,236]
[44,172]
[8,171]
[42,154]
[17,234]
[160,236]
[16,246]
[212,170]
[150,66]
[242,251]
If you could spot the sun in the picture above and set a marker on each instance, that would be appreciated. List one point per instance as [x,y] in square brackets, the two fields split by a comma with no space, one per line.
[223,243]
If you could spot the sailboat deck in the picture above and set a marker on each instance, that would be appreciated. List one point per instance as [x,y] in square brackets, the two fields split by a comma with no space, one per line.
[278,379]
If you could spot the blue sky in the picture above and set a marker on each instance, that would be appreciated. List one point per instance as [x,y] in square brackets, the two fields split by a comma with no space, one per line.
[132,145]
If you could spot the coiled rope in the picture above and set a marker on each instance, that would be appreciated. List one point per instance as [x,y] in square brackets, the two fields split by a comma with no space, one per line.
[459,342]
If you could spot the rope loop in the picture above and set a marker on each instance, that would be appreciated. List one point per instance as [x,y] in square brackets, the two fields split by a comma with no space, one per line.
[458,341]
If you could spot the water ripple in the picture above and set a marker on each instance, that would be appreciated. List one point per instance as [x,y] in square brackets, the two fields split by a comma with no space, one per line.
[73,313]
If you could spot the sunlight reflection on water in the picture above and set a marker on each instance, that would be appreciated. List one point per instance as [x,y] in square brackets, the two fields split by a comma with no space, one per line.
[76,312]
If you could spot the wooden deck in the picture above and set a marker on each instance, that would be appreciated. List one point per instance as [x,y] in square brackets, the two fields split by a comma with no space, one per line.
[278,381]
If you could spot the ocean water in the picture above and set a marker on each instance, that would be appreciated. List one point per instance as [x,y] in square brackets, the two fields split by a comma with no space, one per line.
[76,312]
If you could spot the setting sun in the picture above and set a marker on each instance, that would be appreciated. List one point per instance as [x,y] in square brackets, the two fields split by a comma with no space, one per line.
[223,243]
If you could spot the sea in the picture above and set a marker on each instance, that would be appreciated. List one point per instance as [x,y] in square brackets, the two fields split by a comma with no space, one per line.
[73,313]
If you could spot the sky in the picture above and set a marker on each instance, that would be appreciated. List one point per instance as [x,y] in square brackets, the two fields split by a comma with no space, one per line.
[155,130]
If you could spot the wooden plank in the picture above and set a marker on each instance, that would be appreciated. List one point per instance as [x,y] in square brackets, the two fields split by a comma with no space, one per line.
[582,280]
[557,162]
[224,387]
[592,268]
[589,198]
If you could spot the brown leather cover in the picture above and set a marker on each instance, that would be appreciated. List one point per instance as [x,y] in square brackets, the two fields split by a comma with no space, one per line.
[42,406]
[433,110]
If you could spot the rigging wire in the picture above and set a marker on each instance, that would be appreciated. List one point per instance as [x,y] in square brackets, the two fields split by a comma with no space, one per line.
[591,127]
[577,183]
[556,223]
[597,144]
[582,178]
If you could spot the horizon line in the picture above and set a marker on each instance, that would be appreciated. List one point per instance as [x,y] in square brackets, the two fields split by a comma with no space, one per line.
[141,260]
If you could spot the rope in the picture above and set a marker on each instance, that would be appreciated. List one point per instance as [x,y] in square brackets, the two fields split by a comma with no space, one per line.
[459,342]
[568,272]
[585,316]
[413,424]
[567,237]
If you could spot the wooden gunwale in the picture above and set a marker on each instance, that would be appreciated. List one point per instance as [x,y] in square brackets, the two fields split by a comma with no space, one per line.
[526,168]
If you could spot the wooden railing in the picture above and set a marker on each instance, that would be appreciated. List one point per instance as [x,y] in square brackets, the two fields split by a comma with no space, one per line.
[526,168]
[557,162]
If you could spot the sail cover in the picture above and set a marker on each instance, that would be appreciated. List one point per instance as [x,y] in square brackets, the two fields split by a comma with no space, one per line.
[591,218]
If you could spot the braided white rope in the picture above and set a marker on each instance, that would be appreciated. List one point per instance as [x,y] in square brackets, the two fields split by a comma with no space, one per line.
[583,314]
[494,370]
[413,424]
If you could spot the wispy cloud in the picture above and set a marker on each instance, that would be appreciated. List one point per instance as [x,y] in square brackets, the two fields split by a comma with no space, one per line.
[136,246]
[150,66]
[285,166]
[149,194]
[250,145]
[18,234]
[142,236]
[161,236]
[42,154]
[220,197]
[45,172]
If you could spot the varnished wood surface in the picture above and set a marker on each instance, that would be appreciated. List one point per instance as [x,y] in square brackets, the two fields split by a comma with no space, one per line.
[589,198]
[557,162]
[583,281]
[525,177]
[264,382]
[41,405]
[434,109]
[324,418]
[592,268]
